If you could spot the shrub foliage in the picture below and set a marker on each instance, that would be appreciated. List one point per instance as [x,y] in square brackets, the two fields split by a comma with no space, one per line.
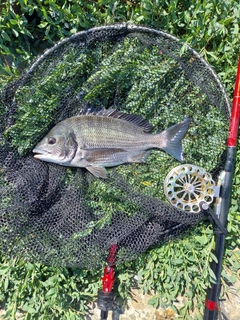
[27,27]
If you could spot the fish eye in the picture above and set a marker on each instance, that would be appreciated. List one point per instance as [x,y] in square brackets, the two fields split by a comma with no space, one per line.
[51,140]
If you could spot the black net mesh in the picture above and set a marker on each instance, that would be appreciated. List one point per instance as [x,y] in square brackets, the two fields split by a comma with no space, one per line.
[65,216]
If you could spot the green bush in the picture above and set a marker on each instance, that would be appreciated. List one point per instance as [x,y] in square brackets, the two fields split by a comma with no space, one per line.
[34,291]
[177,268]
[212,28]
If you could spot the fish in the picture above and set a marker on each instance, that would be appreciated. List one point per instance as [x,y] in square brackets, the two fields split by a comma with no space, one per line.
[100,138]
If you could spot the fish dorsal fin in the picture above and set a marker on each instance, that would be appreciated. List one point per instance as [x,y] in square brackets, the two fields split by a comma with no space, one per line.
[113,113]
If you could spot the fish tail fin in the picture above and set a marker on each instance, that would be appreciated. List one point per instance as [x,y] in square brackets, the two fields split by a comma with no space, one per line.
[172,139]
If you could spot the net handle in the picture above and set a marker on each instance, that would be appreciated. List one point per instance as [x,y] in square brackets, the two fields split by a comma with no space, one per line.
[211,303]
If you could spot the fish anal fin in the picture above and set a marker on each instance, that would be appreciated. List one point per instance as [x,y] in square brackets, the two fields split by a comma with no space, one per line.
[140,156]
[97,171]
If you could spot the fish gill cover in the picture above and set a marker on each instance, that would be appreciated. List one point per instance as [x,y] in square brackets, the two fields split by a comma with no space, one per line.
[65,216]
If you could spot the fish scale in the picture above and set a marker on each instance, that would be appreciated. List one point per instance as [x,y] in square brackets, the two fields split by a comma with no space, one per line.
[96,131]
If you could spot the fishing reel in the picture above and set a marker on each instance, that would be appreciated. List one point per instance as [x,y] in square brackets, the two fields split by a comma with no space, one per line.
[190,188]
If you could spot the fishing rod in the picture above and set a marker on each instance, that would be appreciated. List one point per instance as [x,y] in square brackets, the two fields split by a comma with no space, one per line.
[226,178]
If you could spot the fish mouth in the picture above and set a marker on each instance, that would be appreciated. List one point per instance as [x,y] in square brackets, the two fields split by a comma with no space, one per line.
[40,154]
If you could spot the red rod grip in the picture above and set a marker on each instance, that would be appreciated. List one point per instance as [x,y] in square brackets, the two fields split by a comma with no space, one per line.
[108,275]
[108,279]
[235,114]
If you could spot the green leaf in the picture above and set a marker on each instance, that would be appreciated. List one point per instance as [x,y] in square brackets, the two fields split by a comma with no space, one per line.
[177,261]
[212,274]
[228,20]
[4,269]
[13,21]
[50,281]
[51,292]
[201,239]
[154,301]
[43,24]
[213,257]
[5,35]
[15,32]
[236,29]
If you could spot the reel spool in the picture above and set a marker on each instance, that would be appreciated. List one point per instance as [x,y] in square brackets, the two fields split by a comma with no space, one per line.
[189,188]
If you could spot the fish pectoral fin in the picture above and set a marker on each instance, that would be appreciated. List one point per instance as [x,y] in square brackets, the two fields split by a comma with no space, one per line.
[90,155]
[99,172]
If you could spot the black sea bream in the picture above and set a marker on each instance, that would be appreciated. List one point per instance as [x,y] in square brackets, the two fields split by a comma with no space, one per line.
[105,138]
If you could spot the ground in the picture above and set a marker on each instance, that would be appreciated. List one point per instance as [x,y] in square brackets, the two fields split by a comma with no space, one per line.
[139,309]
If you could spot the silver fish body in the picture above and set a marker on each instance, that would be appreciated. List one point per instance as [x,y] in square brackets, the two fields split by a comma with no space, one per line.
[106,138]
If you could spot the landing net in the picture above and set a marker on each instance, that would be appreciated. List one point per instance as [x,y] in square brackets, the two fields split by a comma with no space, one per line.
[65,216]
